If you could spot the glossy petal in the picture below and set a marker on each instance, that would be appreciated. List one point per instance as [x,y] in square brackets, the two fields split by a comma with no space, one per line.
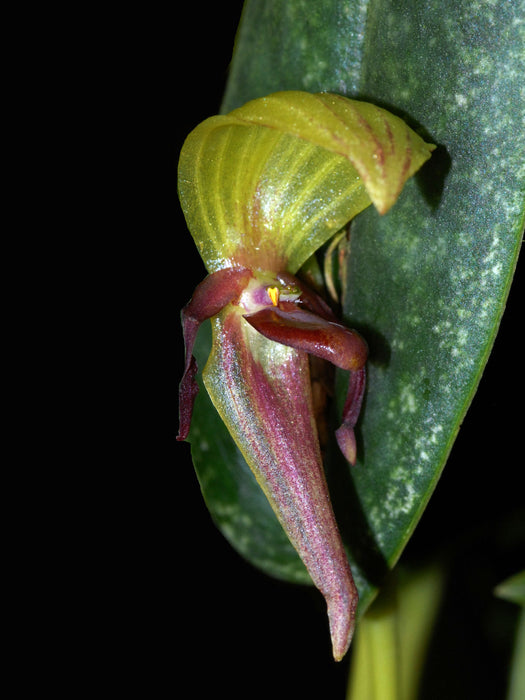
[262,391]
[306,331]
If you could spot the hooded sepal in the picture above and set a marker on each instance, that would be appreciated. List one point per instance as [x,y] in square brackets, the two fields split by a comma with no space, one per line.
[266,185]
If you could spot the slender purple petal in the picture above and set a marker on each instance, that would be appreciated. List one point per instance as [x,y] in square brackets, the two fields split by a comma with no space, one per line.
[306,331]
[354,398]
[209,298]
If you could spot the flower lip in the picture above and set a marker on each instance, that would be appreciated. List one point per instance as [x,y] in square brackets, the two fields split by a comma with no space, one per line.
[285,310]
[304,330]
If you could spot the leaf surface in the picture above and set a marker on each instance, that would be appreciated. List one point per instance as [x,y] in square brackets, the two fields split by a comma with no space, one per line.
[425,284]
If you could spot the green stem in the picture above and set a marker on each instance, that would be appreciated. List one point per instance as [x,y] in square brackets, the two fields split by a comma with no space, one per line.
[392,637]
[375,670]
[517,677]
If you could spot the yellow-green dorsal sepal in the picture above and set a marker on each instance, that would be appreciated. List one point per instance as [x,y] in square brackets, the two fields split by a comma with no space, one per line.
[269,183]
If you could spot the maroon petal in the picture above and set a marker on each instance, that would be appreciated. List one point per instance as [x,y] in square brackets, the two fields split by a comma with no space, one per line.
[216,291]
[354,398]
[309,332]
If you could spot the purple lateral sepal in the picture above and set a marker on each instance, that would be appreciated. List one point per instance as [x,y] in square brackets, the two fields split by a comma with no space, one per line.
[268,410]
[209,298]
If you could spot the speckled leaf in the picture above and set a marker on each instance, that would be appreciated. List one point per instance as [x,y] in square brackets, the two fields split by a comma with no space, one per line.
[430,280]
[426,284]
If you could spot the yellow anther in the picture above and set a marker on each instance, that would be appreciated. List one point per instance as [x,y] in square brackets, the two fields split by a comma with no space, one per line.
[273,293]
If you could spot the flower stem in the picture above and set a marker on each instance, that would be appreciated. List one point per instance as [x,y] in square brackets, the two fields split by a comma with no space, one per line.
[517,675]
[392,637]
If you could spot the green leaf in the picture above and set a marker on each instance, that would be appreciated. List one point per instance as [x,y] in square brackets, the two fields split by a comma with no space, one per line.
[426,283]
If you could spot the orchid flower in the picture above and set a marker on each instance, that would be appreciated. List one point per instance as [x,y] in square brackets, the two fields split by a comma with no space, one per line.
[262,188]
